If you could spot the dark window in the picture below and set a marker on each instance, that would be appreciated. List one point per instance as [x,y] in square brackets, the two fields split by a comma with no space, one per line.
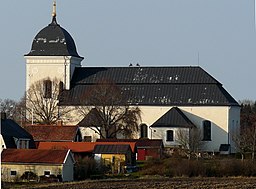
[13,173]
[23,144]
[61,87]
[47,173]
[207,130]
[169,135]
[47,89]
[87,138]
[144,131]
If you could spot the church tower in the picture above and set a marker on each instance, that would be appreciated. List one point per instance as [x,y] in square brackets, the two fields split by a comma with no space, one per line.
[53,55]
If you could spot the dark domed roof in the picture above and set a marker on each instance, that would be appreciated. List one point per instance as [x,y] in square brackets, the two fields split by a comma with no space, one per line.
[53,40]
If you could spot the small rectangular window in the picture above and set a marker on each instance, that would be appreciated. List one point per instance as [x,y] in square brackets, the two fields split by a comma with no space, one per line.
[87,138]
[13,173]
[47,173]
[23,144]
[169,135]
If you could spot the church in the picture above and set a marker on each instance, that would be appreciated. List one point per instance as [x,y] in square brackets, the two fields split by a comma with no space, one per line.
[170,98]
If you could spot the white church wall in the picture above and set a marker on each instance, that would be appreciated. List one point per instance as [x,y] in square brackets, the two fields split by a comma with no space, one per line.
[221,118]
[60,67]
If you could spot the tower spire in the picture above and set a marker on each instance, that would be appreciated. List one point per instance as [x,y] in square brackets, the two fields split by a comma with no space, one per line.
[54,21]
[54,9]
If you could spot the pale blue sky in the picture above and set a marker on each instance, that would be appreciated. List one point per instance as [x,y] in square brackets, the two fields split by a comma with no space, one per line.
[148,32]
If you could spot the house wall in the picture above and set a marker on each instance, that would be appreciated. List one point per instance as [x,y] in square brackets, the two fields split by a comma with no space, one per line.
[114,161]
[161,133]
[85,131]
[2,143]
[144,153]
[108,158]
[234,126]
[38,169]
[68,169]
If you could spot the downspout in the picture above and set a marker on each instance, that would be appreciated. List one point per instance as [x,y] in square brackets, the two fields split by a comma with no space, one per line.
[65,71]
[229,129]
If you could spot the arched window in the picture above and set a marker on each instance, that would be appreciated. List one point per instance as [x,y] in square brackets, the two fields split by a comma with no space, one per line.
[144,131]
[169,135]
[207,130]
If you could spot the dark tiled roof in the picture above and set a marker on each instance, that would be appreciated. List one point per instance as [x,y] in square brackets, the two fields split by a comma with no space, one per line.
[173,118]
[175,86]
[33,156]
[52,133]
[10,130]
[53,40]
[142,75]
[111,149]
[91,119]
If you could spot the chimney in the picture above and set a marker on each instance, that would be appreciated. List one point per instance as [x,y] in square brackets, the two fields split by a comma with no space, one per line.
[59,123]
[3,115]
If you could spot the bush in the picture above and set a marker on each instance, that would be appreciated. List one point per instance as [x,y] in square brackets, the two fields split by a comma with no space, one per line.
[84,168]
[29,176]
[177,167]
[49,179]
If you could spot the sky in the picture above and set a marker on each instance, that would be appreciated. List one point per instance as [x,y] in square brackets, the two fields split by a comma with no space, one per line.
[218,35]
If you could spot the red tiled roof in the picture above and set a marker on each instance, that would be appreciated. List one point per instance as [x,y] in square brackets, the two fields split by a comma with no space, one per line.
[52,133]
[139,142]
[73,146]
[81,146]
[33,156]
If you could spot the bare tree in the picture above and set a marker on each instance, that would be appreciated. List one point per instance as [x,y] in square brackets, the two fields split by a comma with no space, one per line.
[245,141]
[8,106]
[190,140]
[42,101]
[107,111]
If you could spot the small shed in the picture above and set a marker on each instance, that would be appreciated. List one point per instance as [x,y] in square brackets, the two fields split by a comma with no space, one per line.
[149,148]
[114,156]
[145,148]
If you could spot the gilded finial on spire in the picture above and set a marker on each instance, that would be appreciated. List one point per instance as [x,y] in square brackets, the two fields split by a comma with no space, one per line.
[54,9]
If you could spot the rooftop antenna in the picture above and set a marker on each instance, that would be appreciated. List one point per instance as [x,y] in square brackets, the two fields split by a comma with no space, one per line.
[254,13]
[198,58]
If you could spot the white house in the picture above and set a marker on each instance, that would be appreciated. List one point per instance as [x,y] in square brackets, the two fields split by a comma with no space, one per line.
[162,93]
